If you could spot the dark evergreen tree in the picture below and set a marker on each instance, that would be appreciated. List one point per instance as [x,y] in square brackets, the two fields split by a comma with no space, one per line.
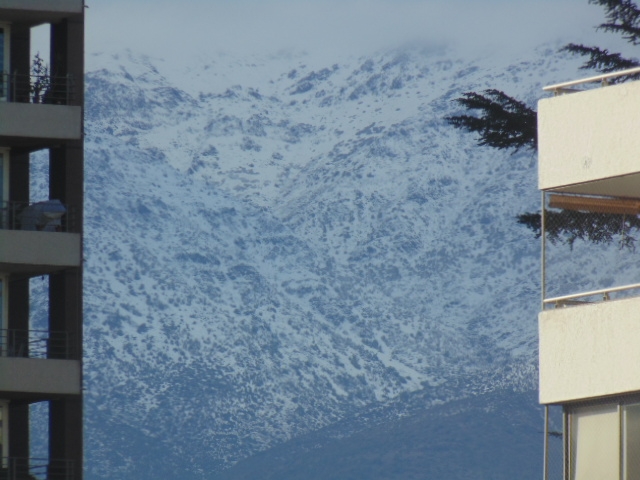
[504,122]
[623,17]
[40,84]
[567,226]
[603,61]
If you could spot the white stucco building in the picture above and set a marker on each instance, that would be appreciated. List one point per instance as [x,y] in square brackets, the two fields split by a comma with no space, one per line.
[589,163]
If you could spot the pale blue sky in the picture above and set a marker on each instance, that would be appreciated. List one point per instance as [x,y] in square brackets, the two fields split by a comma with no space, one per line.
[169,27]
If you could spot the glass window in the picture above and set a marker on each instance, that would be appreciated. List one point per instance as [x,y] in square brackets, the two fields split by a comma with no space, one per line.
[4,188]
[2,76]
[1,49]
[595,443]
[631,430]
[3,316]
[604,441]
[4,431]
[4,60]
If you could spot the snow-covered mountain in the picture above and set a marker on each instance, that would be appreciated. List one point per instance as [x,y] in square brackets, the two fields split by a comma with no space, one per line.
[274,247]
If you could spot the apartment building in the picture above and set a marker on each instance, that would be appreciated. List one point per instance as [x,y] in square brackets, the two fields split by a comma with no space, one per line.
[41,110]
[589,173]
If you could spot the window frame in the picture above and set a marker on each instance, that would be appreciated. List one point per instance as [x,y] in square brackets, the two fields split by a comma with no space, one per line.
[5,161]
[4,432]
[7,62]
[622,406]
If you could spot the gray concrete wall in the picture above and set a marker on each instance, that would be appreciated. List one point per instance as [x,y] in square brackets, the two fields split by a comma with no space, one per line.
[24,120]
[39,376]
[63,6]
[58,249]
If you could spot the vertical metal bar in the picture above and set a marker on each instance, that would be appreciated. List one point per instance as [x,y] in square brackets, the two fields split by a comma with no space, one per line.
[621,440]
[566,440]
[543,236]
[545,447]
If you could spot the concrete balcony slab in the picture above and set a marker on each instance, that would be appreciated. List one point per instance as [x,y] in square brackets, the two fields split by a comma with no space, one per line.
[39,377]
[589,351]
[589,142]
[34,12]
[38,252]
[26,121]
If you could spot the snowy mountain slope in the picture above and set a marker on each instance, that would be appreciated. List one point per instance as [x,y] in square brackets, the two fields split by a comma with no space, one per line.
[270,257]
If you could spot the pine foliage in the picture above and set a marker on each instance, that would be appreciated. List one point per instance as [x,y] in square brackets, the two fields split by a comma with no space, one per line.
[567,226]
[504,122]
[603,61]
[623,17]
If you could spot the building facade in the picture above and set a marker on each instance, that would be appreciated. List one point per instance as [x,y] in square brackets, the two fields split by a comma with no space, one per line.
[41,109]
[589,350]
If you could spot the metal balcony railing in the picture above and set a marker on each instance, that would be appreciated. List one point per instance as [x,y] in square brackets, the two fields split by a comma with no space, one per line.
[36,469]
[48,89]
[36,344]
[603,294]
[604,79]
[46,216]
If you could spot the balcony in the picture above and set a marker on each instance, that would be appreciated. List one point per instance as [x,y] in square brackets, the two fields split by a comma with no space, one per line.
[590,228]
[36,344]
[38,108]
[35,12]
[38,378]
[38,363]
[12,468]
[590,351]
[588,140]
[590,175]
[36,238]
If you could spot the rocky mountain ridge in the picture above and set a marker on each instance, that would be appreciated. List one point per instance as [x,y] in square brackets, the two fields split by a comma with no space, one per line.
[270,258]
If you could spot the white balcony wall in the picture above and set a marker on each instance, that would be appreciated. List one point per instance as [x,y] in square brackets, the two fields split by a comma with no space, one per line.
[589,351]
[589,141]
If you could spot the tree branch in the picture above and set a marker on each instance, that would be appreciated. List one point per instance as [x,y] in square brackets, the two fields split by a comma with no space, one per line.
[623,17]
[504,122]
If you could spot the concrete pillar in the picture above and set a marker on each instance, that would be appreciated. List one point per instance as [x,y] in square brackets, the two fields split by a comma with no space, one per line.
[19,434]
[19,286]
[66,183]
[67,54]
[20,62]
[65,434]
[18,176]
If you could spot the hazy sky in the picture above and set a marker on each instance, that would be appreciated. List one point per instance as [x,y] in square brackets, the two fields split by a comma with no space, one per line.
[170,27]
